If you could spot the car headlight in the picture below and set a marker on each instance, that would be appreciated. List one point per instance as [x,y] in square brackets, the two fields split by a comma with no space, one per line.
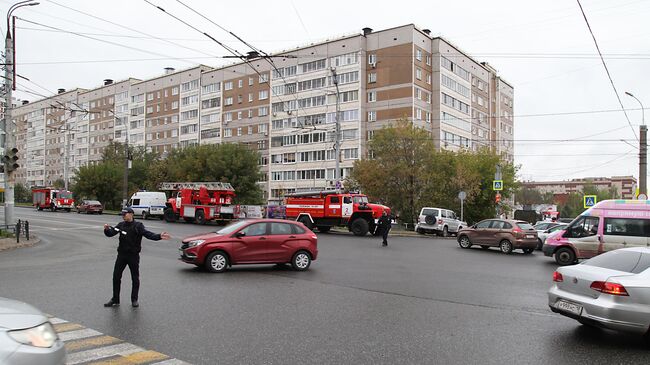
[39,336]
[195,243]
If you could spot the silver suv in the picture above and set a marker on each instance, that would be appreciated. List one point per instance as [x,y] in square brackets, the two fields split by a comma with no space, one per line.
[439,221]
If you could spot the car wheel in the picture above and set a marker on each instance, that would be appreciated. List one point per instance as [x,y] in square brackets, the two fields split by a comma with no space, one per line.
[301,261]
[306,222]
[565,256]
[78,211]
[217,261]
[200,216]
[540,244]
[169,215]
[528,250]
[485,247]
[324,229]
[67,209]
[420,231]
[144,215]
[505,246]
[445,232]
[464,242]
[359,227]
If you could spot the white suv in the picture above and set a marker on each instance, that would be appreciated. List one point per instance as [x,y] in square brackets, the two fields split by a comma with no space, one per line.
[440,221]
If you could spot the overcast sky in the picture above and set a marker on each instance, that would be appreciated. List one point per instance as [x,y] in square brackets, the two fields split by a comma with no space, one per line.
[543,48]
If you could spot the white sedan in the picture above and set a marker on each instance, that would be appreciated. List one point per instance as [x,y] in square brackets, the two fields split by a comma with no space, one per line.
[611,290]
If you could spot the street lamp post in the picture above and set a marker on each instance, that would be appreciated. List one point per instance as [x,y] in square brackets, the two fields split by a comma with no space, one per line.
[643,150]
[9,130]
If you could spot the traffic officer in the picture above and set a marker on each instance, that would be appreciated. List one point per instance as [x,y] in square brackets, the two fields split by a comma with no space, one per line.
[128,254]
[384,226]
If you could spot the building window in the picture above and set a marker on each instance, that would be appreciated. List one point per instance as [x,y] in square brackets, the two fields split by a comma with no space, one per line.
[372,116]
[264,78]
[264,94]
[263,111]
[241,83]
[227,85]
[372,77]
[250,97]
[250,81]
[418,73]
[372,96]
[418,54]
[372,59]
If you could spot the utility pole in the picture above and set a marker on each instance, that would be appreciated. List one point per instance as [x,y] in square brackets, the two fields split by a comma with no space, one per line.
[643,151]
[337,144]
[9,130]
[125,187]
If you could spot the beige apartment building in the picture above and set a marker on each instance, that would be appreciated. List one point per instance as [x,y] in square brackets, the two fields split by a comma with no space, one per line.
[625,185]
[284,108]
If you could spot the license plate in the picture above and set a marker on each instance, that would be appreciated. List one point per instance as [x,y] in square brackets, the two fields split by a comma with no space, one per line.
[569,307]
[227,210]
[530,236]
[156,209]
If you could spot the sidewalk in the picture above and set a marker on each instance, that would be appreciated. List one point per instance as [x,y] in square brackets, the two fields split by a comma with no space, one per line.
[10,243]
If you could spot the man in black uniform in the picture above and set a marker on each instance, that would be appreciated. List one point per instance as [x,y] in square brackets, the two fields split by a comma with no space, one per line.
[128,253]
[384,226]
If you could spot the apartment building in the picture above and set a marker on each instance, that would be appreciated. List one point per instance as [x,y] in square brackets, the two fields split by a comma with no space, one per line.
[285,107]
[625,185]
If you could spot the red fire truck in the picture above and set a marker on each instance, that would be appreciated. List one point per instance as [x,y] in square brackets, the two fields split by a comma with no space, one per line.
[327,209]
[200,202]
[52,198]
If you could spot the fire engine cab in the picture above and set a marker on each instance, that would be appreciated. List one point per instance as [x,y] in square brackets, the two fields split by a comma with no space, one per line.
[327,209]
[199,202]
[52,198]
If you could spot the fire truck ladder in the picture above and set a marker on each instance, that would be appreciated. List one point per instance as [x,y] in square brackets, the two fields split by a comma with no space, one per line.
[311,193]
[216,185]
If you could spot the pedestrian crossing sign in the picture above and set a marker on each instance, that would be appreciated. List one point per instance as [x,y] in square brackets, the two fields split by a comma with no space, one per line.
[497,185]
[589,201]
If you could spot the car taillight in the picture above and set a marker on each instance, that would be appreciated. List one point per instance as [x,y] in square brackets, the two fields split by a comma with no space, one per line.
[557,277]
[609,288]
[439,221]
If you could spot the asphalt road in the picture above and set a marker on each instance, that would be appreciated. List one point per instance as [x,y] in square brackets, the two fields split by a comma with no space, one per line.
[421,300]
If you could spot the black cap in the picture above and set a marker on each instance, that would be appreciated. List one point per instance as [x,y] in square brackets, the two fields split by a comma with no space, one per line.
[127,210]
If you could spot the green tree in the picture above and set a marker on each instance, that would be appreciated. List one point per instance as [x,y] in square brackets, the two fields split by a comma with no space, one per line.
[59,183]
[233,163]
[574,205]
[22,193]
[407,174]
[529,196]
[99,182]
[399,173]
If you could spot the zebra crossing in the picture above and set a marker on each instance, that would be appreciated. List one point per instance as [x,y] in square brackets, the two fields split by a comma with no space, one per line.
[87,346]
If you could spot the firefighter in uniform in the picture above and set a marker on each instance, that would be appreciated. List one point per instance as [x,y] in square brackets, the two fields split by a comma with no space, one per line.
[128,254]
[384,226]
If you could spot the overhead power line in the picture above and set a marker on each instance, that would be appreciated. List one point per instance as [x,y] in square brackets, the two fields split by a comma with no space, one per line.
[606,69]
[105,41]
[129,28]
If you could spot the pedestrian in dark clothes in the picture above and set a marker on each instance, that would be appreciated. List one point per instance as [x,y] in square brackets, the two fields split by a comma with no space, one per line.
[384,226]
[128,254]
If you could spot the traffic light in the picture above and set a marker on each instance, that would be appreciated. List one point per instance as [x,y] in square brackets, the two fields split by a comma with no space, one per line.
[10,159]
[497,198]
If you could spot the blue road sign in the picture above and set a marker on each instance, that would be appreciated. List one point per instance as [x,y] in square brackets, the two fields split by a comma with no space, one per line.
[497,185]
[589,201]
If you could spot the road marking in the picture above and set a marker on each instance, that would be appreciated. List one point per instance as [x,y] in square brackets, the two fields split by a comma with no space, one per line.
[87,346]
[67,327]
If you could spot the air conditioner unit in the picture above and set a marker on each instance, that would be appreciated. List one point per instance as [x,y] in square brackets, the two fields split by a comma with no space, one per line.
[266,134]
[373,64]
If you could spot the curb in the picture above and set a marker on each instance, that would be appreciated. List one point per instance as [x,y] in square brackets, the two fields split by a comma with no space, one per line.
[7,244]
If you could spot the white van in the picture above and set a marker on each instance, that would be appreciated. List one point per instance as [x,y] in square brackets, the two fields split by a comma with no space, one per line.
[148,204]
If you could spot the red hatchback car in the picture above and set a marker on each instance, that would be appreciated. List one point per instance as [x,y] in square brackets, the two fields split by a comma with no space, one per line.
[252,241]
[90,206]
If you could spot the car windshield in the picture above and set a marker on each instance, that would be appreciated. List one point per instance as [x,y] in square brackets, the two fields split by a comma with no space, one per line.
[524,225]
[557,228]
[360,199]
[93,202]
[65,194]
[232,227]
